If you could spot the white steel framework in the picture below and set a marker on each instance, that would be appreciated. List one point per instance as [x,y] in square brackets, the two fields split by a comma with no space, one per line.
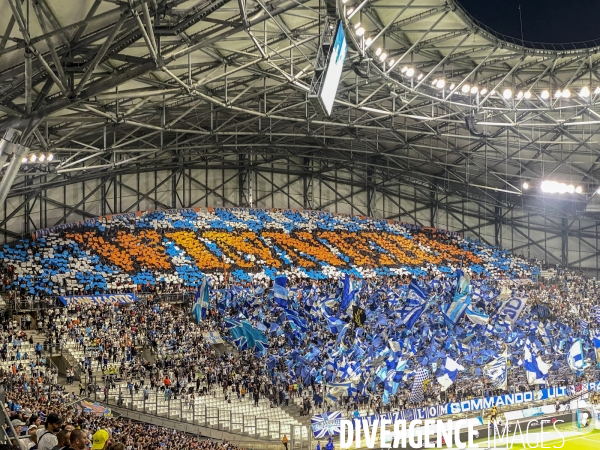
[148,104]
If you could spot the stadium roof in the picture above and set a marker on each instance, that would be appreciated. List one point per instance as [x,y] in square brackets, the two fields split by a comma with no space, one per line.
[117,86]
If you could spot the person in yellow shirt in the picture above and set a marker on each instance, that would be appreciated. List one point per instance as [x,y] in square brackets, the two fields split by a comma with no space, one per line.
[284,441]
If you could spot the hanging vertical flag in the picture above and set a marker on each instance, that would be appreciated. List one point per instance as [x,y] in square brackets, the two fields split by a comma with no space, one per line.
[595,334]
[358,316]
[348,293]
[496,371]
[417,391]
[280,292]
[576,358]
[200,308]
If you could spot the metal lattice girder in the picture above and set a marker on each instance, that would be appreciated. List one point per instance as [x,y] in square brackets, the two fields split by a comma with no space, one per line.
[130,89]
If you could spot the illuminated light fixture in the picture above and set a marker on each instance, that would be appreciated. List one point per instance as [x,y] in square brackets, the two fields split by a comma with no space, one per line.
[32,158]
[350,11]
[434,82]
[357,26]
[452,86]
[545,94]
[483,91]
[585,92]
[507,94]
[369,41]
[558,94]
[42,158]
[554,187]
[24,160]
[404,69]
[378,51]
[465,89]
[528,95]
[566,93]
[391,62]
[344,1]
[410,72]
[382,57]
[597,91]
[474,90]
[440,84]
[50,157]
[525,185]
[420,76]
[360,31]
[520,95]
[578,190]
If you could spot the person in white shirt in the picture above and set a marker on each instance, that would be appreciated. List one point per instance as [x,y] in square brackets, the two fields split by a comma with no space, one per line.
[46,437]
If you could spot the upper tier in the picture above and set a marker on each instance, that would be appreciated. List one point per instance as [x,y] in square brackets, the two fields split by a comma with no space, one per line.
[117,252]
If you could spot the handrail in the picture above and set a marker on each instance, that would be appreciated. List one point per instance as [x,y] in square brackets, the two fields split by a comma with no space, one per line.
[214,418]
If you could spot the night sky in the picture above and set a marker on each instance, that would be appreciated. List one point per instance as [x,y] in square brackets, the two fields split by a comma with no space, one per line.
[552,21]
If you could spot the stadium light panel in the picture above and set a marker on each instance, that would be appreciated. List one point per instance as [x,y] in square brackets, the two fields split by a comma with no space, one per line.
[33,158]
[474,90]
[360,31]
[357,26]
[585,92]
[578,189]
[378,51]
[507,94]
[520,95]
[420,76]
[525,185]
[410,72]
[483,91]
[527,95]
[50,156]
[566,93]
[440,84]
[382,57]
[369,41]
[465,89]
[545,94]
[597,91]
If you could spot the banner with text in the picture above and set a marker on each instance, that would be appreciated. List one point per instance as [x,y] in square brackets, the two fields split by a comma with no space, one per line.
[121,299]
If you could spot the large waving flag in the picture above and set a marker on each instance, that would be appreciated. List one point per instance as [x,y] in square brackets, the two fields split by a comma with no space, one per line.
[416,304]
[446,374]
[496,371]
[595,334]
[200,308]
[346,388]
[576,358]
[477,316]
[462,299]
[280,292]
[536,368]
[245,336]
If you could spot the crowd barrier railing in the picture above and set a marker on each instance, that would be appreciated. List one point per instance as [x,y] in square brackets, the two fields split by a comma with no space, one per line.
[264,429]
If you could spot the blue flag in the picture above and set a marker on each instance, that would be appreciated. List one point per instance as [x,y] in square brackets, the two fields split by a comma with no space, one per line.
[280,292]
[200,308]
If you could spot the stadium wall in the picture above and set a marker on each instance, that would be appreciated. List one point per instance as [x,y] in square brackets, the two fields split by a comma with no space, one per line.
[308,184]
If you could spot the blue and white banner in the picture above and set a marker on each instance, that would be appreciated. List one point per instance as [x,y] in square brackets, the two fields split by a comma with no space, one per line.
[512,308]
[495,371]
[595,334]
[326,424]
[475,404]
[576,358]
[121,299]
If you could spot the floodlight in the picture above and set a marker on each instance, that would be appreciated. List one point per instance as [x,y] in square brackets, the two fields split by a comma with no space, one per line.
[466,88]
[545,94]
[507,94]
